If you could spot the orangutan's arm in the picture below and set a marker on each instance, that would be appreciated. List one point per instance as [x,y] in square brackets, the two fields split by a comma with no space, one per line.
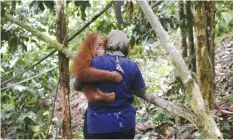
[93,75]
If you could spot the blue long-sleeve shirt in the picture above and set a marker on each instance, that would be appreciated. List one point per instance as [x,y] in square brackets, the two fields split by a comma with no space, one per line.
[118,115]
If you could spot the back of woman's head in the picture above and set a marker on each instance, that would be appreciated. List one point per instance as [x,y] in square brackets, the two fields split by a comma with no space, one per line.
[118,41]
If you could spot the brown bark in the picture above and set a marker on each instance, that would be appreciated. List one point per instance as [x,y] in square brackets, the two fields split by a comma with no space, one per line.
[191,48]
[182,29]
[204,63]
[210,21]
[64,72]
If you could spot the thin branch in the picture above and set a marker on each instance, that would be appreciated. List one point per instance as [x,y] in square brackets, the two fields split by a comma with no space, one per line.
[54,103]
[174,108]
[29,78]
[226,112]
[7,81]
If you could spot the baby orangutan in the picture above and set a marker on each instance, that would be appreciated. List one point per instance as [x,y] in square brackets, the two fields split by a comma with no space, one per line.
[92,46]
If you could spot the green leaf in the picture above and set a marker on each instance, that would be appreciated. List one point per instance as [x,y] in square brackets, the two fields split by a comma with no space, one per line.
[36,128]
[31,115]
[41,29]
[4,35]
[13,43]
[24,47]
[169,92]
[227,126]
[82,5]
[20,88]
[158,87]
[168,122]
[136,102]
[197,134]
[46,113]
[41,6]
[49,4]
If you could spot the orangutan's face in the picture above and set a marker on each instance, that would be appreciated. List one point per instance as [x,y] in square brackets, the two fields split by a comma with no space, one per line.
[99,46]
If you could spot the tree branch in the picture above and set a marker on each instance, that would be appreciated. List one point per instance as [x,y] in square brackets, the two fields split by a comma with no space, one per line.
[174,108]
[46,38]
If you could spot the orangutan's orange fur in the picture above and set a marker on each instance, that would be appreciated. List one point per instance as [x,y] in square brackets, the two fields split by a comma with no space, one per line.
[83,71]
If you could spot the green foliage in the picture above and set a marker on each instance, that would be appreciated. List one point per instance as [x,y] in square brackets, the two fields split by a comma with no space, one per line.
[21,113]
[136,102]
[198,135]
[176,90]
[12,43]
[157,70]
[82,5]
[142,30]
[224,12]
[78,134]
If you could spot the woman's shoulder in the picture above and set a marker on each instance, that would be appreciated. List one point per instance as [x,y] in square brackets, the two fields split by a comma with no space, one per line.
[99,58]
[126,60]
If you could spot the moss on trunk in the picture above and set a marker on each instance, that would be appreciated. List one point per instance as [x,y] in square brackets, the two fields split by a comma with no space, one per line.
[203,58]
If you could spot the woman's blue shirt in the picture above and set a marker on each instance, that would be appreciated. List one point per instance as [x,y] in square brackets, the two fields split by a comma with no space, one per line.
[118,115]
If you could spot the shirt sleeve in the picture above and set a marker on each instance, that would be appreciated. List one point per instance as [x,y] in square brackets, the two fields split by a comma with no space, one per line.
[138,82]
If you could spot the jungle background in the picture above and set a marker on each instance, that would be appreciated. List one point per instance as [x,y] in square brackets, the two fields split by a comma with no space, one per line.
[31,98]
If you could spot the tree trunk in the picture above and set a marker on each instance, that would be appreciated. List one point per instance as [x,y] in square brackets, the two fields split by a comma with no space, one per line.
[203,120]
[210,21]
[64,72]
[192,54]
[204,63]
[182,29]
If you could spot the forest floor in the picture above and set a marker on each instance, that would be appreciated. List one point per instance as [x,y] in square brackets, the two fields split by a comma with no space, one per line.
[184,130]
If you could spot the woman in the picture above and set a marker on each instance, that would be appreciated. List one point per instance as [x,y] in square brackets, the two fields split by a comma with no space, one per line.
[115,120]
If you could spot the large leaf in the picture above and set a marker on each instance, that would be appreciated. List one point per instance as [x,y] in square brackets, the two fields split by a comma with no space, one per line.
[49,4]
[13,43]
[136,102]
[82,5]
[30,115]
[4,35]
[42,4]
